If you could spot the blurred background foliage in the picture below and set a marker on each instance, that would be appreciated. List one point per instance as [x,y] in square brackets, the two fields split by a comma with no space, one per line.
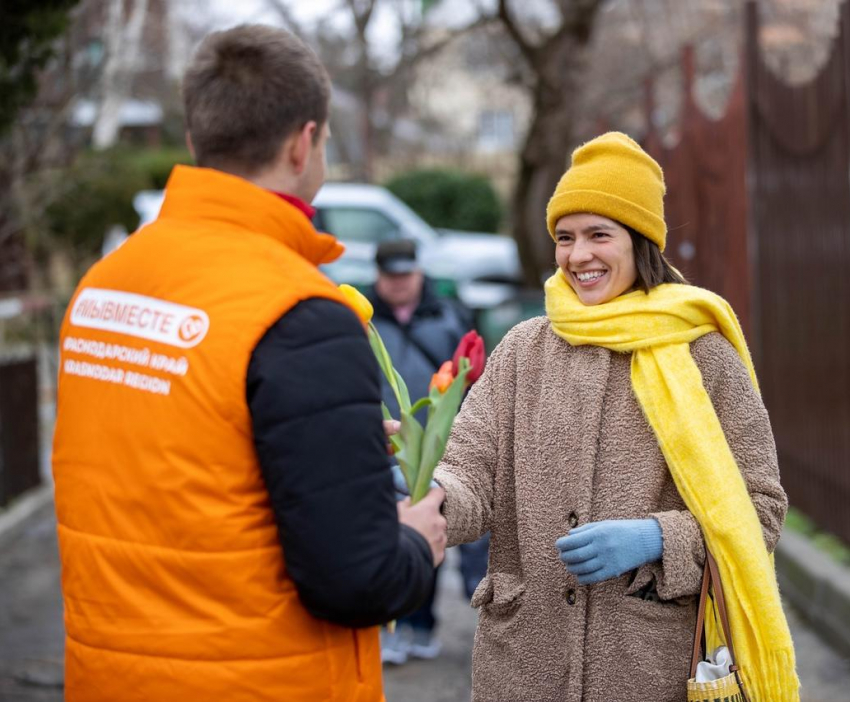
[450,199]
[81,202]
[27,32]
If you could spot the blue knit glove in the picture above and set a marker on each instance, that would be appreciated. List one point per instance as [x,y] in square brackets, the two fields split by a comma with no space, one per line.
[602,550]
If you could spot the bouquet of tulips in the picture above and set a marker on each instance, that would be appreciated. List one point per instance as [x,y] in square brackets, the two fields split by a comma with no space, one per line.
[417,448]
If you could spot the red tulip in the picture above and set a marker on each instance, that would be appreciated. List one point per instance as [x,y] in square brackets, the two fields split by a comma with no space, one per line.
[471,346]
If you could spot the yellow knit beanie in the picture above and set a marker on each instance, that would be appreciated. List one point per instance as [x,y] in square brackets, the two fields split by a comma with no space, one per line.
[613,177]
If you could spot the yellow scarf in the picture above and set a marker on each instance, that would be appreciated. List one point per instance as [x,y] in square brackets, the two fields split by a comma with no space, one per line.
[657,329]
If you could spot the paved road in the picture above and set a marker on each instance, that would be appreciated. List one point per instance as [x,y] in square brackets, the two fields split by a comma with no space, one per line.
[31,631]
[31,636]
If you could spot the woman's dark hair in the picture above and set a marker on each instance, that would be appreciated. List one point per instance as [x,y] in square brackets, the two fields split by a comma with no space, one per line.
[652,268]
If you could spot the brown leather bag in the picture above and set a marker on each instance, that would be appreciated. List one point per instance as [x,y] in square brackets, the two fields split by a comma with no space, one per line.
[730,687]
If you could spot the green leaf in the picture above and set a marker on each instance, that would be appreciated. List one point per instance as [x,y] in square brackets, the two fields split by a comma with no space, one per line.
[422,402]
[381,353]
[437,432]
[410,455]
[402,395]
[434,396]
[397,384]
[395,439]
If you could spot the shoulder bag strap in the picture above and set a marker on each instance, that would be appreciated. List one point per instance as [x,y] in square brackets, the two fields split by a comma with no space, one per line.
[698,632]
[712,573]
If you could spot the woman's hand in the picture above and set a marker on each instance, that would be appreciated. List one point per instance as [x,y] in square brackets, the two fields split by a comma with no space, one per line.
[602,550]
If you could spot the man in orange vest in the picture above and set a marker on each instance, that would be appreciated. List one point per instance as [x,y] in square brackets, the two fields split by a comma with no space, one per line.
[226,516]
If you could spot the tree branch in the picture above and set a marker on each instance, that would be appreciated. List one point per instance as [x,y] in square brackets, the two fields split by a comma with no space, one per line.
[408,61]
[578,17]
[528,50]
[450,36]
[362,16]
[281,7]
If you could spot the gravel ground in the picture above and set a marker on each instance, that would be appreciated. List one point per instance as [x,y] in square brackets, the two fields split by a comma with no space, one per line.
[31,635]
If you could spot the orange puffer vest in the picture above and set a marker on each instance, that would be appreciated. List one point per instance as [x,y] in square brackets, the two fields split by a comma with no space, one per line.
[174,581]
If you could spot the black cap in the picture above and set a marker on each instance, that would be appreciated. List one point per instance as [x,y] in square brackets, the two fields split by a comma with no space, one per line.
[397,256]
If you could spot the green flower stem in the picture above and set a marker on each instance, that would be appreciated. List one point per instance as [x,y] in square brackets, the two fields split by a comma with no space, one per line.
[417,449]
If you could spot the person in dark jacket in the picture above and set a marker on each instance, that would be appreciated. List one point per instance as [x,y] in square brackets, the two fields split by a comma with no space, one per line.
[420,331]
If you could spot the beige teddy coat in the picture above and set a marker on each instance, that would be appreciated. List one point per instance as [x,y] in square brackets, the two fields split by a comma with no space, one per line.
[552,437]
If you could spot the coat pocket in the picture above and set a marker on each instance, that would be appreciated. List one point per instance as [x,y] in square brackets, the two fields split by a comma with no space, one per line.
[499,593]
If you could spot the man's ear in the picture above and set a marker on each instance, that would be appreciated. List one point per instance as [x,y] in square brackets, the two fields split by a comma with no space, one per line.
[190,146]
[302,143]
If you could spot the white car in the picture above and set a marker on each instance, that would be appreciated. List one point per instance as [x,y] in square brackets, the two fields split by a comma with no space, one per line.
[484,268]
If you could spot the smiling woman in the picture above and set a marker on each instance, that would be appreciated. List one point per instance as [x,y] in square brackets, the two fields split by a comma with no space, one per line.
[596,255]
[603,259]
[607,219]
[600,448]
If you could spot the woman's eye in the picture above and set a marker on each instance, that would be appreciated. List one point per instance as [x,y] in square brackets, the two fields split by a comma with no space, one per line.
[600,235]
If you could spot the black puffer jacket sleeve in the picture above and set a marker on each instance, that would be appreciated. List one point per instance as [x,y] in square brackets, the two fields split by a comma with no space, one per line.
[314,395]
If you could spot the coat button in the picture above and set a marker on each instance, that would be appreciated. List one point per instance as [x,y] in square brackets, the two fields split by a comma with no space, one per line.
[571,596]
[573,520]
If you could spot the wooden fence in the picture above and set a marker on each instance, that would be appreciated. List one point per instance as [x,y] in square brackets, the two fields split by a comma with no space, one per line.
[759,211]
[19,423]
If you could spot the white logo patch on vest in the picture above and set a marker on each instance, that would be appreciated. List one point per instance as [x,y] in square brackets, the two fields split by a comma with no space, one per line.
[140,316]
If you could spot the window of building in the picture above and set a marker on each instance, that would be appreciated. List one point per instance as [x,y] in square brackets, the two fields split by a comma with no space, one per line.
[496,130]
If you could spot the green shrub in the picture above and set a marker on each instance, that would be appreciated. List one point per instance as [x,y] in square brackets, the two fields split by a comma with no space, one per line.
[450,199]
[91,196]
[796,521]
[157,164]
[97,192]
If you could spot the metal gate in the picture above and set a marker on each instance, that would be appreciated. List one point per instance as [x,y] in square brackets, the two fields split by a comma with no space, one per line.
[759,211]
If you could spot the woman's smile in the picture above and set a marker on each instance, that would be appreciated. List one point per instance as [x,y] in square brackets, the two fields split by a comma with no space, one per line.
[588,279]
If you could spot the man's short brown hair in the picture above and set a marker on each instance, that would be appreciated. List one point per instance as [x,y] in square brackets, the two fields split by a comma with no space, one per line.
[246,90]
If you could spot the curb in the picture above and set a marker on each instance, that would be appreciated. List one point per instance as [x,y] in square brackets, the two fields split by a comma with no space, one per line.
[817,586]
[27,507]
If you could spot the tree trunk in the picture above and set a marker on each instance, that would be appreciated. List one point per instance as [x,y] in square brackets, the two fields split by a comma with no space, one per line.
[538,175]
[122,47]
[13,268]
[545,155]
[367,95]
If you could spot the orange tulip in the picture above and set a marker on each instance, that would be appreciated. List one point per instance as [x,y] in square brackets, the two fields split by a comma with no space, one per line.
[442,378]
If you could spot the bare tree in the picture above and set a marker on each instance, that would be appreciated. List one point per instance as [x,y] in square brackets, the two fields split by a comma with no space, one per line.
[42,143]
[37,80]
[554,55]
[123,44]
[556,61]
[380,85]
